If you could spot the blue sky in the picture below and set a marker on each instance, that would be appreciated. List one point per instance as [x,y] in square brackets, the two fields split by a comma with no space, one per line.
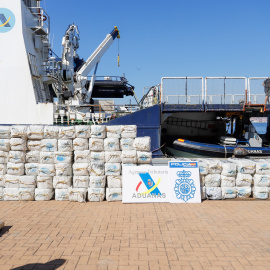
[170,38]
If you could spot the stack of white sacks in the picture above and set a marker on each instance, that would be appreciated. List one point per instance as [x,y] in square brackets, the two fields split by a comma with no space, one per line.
[72,163]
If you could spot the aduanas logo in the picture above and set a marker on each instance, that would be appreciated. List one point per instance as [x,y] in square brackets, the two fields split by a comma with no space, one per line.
[152,187]
[7,20]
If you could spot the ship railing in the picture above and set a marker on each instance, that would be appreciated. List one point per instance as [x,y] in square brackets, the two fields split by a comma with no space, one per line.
[256,84]
[183,99]
[229,99]
[41,20]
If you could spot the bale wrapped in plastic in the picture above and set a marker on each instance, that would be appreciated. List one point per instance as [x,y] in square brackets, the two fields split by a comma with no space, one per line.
[46,170]
[96,169]
[96,194]
[129,131]
[245,166]
[5,132]
[12,181]
[98,131]
[129,157]
[61,182]
[62,157]
[82,132]
[32,169]
[111,144]
[97,157]
[97,181]
[16,156]
[112,169]
[227,181]
[49,145]
[42,194]
[3,157]
[51,132]
[80,144]
[77,194]
[80,169]
[228,192]
[212,180]
[144,157]
[11,194]
[80,181]
[113,194]
[65,145]
[260,193]
[67,132]
[126,144]
[82,156]
[214,166]
[243,180]
[27,181]
[32,157]
[45,182]
[96,144]
[263,167]
[4,145]
[203,193]
[35,132]
[63,169]
[14,168]
[1,193]
[113,131]
[47,157]
[142,144]
[18,131]
[18,144]
[203,167]
[2,181]
[114,181]
[61,194]
[261,180]
[243,192]
[202,180]
[228,168]
[113,157]
[213,193]
[26,194]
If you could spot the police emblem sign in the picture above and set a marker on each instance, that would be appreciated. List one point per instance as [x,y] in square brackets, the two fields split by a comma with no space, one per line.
[184,180]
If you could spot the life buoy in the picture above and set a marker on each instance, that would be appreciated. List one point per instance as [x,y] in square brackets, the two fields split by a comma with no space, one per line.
[44,17]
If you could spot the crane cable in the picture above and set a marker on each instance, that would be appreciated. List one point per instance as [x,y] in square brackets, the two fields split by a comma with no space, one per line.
[118,59]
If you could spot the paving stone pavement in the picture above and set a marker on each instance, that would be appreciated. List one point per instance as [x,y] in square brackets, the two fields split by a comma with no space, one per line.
[111,235]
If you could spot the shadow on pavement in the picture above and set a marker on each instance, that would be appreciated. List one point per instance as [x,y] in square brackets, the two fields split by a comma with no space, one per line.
[51,265]
[4,230]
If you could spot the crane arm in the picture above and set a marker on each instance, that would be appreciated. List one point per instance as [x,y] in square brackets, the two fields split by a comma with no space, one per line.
[96,56]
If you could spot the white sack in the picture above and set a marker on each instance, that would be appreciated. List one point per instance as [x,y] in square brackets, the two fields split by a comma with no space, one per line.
[67,132]
[244,165]
[97,181]
[43,194]
[49,145]
[61,194]
[63,169]
[228,168]
[11,194]
[113,131]
[96,194]
[26,194]
[98,131]
[32,157]
[31,169]
[65,145]
[3,169]
[202,180]
[3,157]
[97,156]
[260,193]
[82,156]
[16,156]
[262,167]
[214,166]
[81,169]
[142,144]
[46,170]
[129,157]
[4,145]
[112,169]
[96,144]
[229,192]
[82,132]
[51,132]
[18,131]
[97,168]
[113,157]
[243,180]
[126,144]
[261,180]
[47,157]
[113,194]
[203,193]
[203,167]
[80,181]
[12,181]
[35,132]
[129,131]
[114,181]
[1,193]
[45,182]
[80,144]
[243,192]
[5,132]
[15,168]
[62,157]
[2,180]
[111,144]
[213,193]
[212,180]
[144,157]
[77,194]
[227,181]
[27,181]
[18,144]
[61,182]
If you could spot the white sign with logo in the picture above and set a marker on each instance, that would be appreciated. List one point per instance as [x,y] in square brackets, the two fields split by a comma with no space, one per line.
[184,182]
[142,184]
